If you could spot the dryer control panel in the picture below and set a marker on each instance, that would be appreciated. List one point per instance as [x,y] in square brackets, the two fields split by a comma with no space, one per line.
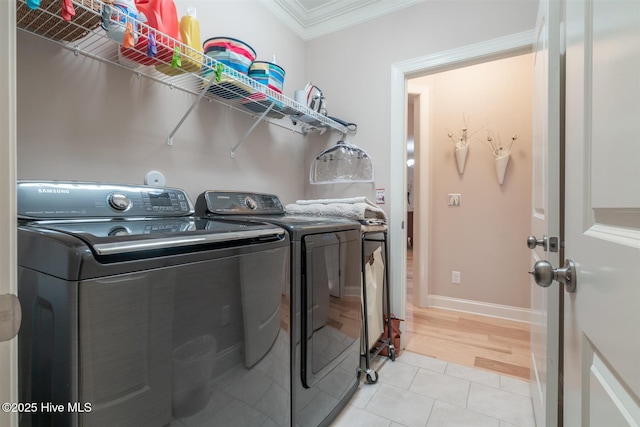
[238,203]
[76,200]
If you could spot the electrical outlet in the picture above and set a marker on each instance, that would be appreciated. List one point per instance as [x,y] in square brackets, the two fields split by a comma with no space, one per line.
[226,315]
[455,199]
[455,277]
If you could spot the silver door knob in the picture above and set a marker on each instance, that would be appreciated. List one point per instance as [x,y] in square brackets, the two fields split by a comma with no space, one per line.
[544,274]
[532,242]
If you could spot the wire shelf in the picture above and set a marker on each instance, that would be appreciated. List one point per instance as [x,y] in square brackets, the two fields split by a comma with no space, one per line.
[200,75]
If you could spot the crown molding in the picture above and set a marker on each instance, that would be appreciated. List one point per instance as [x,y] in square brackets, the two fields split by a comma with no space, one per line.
[332,15]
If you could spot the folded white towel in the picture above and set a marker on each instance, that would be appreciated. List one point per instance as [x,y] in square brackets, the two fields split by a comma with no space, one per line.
[360,199]
[359,211]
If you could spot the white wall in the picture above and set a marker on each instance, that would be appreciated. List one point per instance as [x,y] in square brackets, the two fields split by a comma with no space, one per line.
[81,119]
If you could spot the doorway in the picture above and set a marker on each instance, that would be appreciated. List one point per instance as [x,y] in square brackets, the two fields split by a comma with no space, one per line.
[509,47]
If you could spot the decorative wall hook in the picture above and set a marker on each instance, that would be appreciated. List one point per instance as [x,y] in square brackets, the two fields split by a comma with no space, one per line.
[501,154]
[461,143]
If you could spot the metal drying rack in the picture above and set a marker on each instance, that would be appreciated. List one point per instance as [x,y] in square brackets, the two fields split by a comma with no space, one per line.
[213,80]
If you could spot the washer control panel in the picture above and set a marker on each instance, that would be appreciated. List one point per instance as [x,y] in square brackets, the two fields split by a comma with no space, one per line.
[119,201]
[250,203]
[64,200]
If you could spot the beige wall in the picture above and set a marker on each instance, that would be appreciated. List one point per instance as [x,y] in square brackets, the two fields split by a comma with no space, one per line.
[81,119]
[353,67]
[113,126]
[484,237]
[84,120]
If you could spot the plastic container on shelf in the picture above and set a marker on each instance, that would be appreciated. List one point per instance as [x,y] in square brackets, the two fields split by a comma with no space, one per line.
[164,18]
[233,53]
[190,33]
[161,16]
[237,56]
[268,74]
[191,57]
[122,12]
[129,57]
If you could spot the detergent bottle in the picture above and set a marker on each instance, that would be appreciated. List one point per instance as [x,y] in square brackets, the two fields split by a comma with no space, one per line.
[134,57]
[190,34]
[122,13]
[190,29]
[164,18]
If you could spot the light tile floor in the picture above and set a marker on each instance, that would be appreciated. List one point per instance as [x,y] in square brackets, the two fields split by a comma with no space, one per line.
[417,390]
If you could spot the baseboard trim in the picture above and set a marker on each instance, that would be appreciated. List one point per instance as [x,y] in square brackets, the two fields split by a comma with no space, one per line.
[482,308]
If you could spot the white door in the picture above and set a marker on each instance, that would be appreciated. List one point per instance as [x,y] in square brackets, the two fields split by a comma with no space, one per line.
[602,232]
[545,219]
[8,263]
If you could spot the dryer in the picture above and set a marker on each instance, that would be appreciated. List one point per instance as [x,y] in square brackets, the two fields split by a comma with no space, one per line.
[136,313]
[325,289]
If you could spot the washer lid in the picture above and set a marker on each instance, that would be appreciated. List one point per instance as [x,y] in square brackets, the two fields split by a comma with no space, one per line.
[129,236]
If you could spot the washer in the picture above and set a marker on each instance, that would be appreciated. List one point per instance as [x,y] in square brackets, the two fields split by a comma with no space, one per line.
[136,313]
[325,292]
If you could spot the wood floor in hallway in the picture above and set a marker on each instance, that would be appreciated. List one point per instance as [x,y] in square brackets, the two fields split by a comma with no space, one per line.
[489,343]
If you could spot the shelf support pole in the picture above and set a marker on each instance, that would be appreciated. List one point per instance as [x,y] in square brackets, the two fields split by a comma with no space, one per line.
[193,106]
[246,135]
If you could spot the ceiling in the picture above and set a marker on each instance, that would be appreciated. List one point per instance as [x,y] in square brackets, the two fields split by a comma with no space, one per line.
[314,18]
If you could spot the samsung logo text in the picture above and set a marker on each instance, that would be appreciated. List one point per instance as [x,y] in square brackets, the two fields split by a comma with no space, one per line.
[54,191]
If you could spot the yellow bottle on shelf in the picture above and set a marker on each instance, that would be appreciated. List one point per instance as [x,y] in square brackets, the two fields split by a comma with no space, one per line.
[190,34]
[191,57]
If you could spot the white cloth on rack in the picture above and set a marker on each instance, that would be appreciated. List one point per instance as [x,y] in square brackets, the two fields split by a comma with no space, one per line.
[357,208]
[374,275]
[360,199]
